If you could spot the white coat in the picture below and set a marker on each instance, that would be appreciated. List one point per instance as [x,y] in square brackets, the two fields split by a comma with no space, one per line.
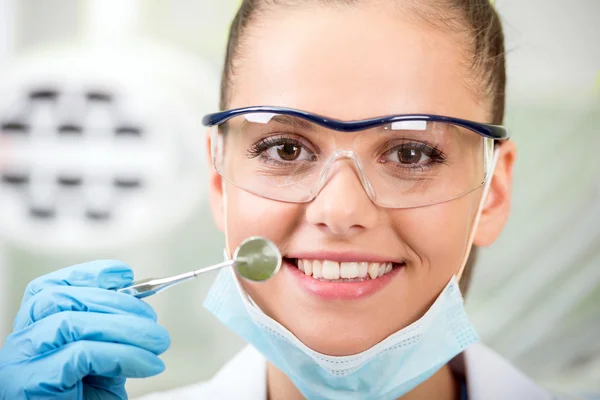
[488,377]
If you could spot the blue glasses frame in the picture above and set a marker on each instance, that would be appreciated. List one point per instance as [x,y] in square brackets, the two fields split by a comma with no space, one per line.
[495,132]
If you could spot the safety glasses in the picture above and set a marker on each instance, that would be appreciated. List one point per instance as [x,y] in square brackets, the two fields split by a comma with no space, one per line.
[402,161]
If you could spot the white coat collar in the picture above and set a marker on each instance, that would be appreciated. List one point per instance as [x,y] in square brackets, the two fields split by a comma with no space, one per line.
[491,377]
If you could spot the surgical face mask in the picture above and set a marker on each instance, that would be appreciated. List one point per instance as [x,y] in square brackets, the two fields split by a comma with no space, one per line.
[387,370]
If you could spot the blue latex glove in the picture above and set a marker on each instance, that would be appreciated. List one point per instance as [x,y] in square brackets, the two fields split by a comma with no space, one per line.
[74,339]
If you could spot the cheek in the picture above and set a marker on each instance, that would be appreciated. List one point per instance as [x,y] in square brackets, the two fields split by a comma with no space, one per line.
[435,239]
[438,237]
[250,215]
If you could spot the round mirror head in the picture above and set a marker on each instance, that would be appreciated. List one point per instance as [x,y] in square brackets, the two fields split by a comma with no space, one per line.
[257,259]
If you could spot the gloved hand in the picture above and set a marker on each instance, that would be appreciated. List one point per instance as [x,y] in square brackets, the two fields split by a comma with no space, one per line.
[74,339]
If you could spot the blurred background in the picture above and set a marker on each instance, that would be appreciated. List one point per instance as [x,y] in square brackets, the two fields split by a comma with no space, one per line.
[102,156]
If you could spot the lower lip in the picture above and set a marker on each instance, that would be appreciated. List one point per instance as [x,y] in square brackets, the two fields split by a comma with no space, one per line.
[340,290]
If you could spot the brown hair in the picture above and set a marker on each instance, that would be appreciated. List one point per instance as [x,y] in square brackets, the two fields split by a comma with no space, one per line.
[484,39]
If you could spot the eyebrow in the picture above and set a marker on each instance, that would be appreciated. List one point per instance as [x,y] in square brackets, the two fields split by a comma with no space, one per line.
[284,120]
[293,121]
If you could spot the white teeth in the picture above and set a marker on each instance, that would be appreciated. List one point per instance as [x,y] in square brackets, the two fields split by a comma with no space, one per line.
[348,270]
[331,270]
[308,270]
[362,269]
[373,270]
[316,267]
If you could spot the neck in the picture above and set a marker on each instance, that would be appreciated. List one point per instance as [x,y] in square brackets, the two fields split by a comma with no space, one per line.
[441,386]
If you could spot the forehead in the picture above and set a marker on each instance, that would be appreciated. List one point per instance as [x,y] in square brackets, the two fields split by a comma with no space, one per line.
[352,63]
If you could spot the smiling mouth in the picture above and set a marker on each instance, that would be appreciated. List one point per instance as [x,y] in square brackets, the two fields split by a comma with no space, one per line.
[333,271]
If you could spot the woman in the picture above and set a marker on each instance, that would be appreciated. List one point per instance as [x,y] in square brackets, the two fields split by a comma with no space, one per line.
[376,218]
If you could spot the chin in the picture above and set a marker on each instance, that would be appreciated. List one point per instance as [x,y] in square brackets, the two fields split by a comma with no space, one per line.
[337,342]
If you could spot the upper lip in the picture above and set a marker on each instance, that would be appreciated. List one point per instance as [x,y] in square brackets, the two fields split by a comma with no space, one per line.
[347,256]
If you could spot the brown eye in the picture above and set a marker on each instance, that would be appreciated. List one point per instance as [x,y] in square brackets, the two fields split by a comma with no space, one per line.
[289,151]
[409,156]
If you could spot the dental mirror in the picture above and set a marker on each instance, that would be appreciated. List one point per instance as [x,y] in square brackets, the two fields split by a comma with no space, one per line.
[256,259]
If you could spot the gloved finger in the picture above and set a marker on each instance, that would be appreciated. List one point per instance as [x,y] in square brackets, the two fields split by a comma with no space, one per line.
[55,299]
[59,330]
[63,369]
[105,274]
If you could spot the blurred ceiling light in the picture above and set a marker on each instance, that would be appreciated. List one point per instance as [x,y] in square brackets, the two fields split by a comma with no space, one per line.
[101,147]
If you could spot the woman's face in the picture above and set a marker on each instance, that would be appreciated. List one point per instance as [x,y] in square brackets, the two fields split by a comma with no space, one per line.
[355,63]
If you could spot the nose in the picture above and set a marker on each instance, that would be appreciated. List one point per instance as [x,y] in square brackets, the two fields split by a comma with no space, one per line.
[342,207]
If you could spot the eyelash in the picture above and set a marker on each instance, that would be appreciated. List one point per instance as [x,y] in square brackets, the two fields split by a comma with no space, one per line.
[430,150]
[259,148]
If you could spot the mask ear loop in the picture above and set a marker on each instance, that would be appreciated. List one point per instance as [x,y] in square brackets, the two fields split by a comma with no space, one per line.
[217,147]
[226,251]
[486,189]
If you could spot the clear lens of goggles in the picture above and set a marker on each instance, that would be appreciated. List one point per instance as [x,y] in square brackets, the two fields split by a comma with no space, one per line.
[400,165]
